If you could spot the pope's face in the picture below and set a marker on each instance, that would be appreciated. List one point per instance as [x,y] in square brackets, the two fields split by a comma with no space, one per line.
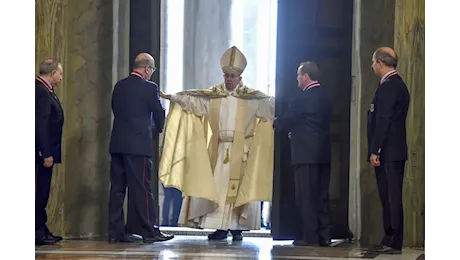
[231,80]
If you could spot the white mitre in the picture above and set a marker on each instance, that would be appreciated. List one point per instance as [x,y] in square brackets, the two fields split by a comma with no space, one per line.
[233,61]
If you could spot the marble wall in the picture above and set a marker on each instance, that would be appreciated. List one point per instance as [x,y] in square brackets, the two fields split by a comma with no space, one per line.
[50,41]
[83,35]
[428,210]
[409,43]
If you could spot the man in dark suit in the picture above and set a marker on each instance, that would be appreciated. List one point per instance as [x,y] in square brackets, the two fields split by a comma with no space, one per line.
[308,121]
[386,131]
[135,101]
[49,119]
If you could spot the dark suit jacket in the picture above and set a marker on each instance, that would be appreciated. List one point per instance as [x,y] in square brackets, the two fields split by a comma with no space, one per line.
[386,121]
[49,119]
[308,119]
[135,101]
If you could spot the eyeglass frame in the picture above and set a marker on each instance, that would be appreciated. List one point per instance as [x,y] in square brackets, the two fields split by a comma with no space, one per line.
[153,68]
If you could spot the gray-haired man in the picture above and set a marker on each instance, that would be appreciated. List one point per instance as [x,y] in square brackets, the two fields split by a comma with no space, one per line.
[49,119]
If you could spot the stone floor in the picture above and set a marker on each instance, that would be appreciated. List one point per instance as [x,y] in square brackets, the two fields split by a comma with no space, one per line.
[198,247]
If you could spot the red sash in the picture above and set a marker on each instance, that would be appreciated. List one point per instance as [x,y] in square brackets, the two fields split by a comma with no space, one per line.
[50,89]
[313,84]
[136,74]
[388,76]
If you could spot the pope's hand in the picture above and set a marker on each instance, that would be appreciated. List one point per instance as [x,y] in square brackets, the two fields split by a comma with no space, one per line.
[165,96]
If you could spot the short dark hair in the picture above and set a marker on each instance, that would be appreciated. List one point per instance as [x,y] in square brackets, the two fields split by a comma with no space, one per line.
[48,66]
[386,58]
[310,68]
[142,63]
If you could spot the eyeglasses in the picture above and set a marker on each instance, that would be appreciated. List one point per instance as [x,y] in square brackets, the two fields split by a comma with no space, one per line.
[153,68]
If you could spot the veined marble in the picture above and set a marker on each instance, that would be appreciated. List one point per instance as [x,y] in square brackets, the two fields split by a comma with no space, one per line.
[82,35]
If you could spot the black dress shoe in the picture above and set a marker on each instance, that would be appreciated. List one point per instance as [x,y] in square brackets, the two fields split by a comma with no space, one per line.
[56,238]
[47,232]
[122,239]
[218,235]
[388,250]
[298,242]
[237,235]
[45,240]
[376,247]
[325,243]
[158,237]
[134,237]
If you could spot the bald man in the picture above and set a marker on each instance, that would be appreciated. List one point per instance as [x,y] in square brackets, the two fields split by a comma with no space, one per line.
[387,144]
[135,102]
[49,119]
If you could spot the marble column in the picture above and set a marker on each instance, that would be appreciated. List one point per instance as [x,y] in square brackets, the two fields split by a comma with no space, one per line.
[428,209]
[87,36]
[373,27]
[50,42]
[33,41]
[120,50]
[398,24]
[409,43]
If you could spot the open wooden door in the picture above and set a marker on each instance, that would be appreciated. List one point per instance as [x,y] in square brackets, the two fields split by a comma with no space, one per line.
[321,31]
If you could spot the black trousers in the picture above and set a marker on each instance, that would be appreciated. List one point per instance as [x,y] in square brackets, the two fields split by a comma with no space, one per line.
[42,193]
[132,172]
[390,176]
[312,202]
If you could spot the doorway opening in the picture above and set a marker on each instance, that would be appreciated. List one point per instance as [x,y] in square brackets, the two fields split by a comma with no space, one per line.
[194,35]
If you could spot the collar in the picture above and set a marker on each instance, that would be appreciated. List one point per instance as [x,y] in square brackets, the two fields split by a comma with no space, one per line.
[387,75]
[46,83]
[137,74]
[234,90]
[311,85]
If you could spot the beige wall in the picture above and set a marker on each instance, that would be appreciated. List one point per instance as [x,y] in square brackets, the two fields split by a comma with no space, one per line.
[90,39]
